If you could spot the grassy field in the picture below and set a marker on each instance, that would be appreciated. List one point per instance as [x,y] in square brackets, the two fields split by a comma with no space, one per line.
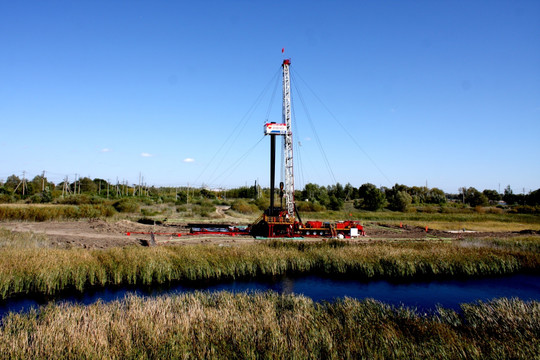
[34,269]
[268,325]
[441,221]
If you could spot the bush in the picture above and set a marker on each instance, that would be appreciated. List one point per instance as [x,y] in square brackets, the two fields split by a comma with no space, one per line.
[126,206]
[149,212]
[526,209]
[75,200]
[262,203]
[147,201]
[431,209]
[243,207]
[400,201]
[6,199]
[494,210]
[309,206]
[55,212]
[480,209]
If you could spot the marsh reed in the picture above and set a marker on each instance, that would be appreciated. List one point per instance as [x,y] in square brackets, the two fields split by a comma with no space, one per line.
[49,271]
[268,325]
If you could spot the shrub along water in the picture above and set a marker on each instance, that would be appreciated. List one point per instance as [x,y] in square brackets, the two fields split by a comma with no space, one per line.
[268,325]
[48,271]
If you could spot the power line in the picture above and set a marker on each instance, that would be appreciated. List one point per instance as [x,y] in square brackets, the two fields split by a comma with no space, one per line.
[343,127]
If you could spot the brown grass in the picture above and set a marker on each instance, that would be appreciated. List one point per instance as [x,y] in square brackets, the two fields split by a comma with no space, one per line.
[226,326]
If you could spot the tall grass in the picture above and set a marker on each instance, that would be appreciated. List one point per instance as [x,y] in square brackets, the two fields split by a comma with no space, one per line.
[28,240]
[49,271]
[268,325]
[55,212]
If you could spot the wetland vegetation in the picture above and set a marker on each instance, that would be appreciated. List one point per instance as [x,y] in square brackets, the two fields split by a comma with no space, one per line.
[49,271]
[268,325]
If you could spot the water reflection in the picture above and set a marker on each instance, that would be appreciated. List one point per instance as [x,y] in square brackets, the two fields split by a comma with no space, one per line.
[425,296]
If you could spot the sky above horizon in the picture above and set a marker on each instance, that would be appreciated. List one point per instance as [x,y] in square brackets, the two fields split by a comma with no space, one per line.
[443,93]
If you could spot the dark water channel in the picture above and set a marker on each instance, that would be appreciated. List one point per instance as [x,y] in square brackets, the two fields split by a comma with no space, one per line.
[423,295]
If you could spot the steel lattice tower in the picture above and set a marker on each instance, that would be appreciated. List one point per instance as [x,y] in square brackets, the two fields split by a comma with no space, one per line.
[288,190]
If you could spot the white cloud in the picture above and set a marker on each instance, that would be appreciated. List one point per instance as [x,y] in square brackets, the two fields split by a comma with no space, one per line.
[146,155]
[189,160]
[105,150]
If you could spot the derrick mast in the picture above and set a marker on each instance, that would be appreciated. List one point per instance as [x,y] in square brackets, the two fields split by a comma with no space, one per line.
[288,191]
[280,221]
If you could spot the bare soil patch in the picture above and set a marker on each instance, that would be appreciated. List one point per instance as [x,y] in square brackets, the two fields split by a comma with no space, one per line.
[100,234]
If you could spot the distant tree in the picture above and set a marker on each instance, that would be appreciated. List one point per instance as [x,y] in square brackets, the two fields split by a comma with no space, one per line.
[419,194]
[12,182]
[337,190]
[87,185]
[400,201]
[398,197]
[322,197]
[371,198]
[533,198]
[38,184]
[474,197]
[335,203]
[492,195]
[436,196]
[101,185]
[509,197]
[209,194]
[351,192]
[310,192]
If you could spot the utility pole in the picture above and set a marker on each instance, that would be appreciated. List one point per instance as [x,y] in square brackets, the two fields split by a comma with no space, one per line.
[43,181]
[139,184]
[65,188]
[23,183]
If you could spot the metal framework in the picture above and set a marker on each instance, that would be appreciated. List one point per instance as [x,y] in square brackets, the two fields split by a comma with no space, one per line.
[288,191]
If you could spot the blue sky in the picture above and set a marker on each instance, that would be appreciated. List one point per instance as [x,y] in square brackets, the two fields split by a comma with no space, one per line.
[412,92]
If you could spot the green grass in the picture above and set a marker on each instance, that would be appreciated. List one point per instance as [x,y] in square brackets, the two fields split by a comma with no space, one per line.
[268,325]
[48,271]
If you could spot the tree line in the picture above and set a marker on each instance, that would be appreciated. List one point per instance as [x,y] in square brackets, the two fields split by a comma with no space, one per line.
[370,197]
[312,198]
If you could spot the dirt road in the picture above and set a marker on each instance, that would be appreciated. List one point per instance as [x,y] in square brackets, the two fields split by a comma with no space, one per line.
[102,234]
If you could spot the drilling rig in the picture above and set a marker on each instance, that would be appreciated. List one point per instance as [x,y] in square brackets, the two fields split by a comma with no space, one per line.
[285,221]
[280,221]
